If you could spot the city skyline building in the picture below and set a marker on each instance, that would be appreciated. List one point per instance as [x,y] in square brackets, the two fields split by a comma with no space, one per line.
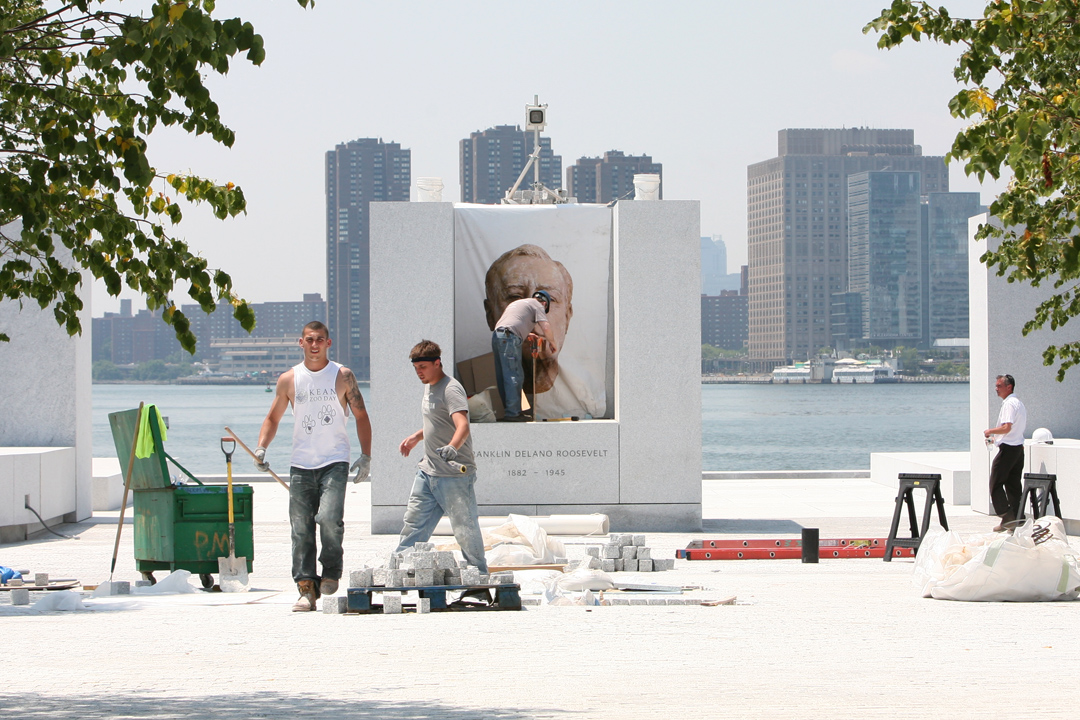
[491,160]
[946,236]
[358,173]
[713,265]
[610,177]
[886,256]
[797,242]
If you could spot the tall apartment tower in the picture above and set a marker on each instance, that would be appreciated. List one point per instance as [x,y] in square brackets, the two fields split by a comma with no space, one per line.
[797,230]
[603,179]
[357,173]
[490,162]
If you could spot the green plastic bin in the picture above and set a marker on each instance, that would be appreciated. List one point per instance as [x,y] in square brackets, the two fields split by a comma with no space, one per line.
[179,527]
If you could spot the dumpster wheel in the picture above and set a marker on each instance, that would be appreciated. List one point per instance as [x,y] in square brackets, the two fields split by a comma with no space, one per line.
[207,580]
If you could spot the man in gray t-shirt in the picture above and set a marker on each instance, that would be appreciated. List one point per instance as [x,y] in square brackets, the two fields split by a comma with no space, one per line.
[446,475]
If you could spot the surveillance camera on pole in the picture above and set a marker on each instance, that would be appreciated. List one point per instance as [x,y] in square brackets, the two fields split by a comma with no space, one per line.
[535,120]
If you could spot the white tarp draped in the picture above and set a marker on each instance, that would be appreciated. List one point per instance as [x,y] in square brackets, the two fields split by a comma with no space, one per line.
[578,237]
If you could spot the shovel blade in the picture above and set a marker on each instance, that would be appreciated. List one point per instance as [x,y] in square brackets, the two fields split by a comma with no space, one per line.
[232,574]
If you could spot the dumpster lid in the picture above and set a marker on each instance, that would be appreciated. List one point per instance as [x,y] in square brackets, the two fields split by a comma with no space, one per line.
[146,473]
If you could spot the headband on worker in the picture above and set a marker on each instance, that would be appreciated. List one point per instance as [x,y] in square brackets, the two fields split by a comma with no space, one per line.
[426,358]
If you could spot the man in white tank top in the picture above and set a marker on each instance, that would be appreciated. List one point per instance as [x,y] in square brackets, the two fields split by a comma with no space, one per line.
[321,393]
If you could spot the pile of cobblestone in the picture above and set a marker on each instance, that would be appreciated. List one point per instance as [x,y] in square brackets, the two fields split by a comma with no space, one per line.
[623,553]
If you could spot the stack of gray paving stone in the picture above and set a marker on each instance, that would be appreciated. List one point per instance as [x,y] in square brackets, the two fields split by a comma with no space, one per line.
[624,553]
[422,566]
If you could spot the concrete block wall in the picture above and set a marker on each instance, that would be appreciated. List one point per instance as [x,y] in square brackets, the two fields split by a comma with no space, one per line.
[642,469]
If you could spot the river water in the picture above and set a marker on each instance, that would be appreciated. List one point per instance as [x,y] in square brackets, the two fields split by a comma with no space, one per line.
[743,427]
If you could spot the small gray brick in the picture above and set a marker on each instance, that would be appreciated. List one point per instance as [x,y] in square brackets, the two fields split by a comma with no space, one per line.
[644,553]
[658,601]
[444,560]
[142,583]
[638,601]
[608,566]
[611,551]
[618,564]
[423,560]
[121,587]
[502,578]
[630,565]
[391,604]
[593,551]
[15,582]
[393,562]
[379,576]
[41,579]
[426,576]
[423,606]
[484,580]
[462,564]
[533,601]
[451,577]
[639,540]
[644,565]
[590,563]
[424,546]
[620,539]
[397,578]
[619,601]
[335,605]
[470,576]
[360,578]
[20,596]
[629,552]
[665,563]
[408,582]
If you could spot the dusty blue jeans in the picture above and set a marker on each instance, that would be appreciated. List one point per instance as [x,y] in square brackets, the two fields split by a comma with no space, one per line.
[432,497]
[317,497]
[509,374]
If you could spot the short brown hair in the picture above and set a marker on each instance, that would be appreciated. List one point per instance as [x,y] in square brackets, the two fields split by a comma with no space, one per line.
[425,349]
[317,327]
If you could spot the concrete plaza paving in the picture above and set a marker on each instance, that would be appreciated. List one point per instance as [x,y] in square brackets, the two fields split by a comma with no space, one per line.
[840,639]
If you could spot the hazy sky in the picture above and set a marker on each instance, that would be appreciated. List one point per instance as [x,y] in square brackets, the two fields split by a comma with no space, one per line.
[701,86]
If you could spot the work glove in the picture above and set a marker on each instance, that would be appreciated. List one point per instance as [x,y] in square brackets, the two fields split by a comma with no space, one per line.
[363,469]
[447,452]
[260,460]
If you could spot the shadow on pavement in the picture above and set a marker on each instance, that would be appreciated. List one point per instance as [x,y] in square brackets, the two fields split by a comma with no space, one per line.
[261,706]
[750,527]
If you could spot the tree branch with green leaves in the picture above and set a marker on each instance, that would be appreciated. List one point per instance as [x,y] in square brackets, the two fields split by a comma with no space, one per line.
[1021,92]
[82,89]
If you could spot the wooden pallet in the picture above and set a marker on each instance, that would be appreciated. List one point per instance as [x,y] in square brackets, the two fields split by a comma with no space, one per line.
[507,597]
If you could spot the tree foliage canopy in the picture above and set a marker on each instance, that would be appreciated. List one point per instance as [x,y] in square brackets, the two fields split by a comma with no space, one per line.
[82,87]
[1022,93]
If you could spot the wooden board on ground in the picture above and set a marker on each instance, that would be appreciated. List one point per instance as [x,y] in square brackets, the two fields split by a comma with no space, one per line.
[66,585]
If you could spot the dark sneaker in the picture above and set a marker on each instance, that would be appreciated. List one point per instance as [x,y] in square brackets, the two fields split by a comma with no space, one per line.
[516,418]
[328,586]
[308,596]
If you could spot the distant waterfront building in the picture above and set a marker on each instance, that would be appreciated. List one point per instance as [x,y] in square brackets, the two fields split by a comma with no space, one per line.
[357,173]
[253,355]
[603,179]
[724,320]
[713,265]
[886,256]
[272,320]
[492,160]
[797,231]
[946,231]
[125,339]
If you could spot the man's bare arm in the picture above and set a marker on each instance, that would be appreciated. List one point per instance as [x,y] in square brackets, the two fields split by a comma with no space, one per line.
[282,398]
[355,402]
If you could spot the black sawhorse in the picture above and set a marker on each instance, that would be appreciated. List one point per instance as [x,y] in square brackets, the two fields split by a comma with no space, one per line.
[908,483]
[1039,489]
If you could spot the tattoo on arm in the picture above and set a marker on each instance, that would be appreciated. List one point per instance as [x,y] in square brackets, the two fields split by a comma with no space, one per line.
[352,394]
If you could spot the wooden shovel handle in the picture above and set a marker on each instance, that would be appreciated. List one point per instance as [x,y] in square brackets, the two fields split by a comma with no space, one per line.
[249,452]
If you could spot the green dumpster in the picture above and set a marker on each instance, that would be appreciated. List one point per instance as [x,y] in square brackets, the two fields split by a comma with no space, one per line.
[179,527]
